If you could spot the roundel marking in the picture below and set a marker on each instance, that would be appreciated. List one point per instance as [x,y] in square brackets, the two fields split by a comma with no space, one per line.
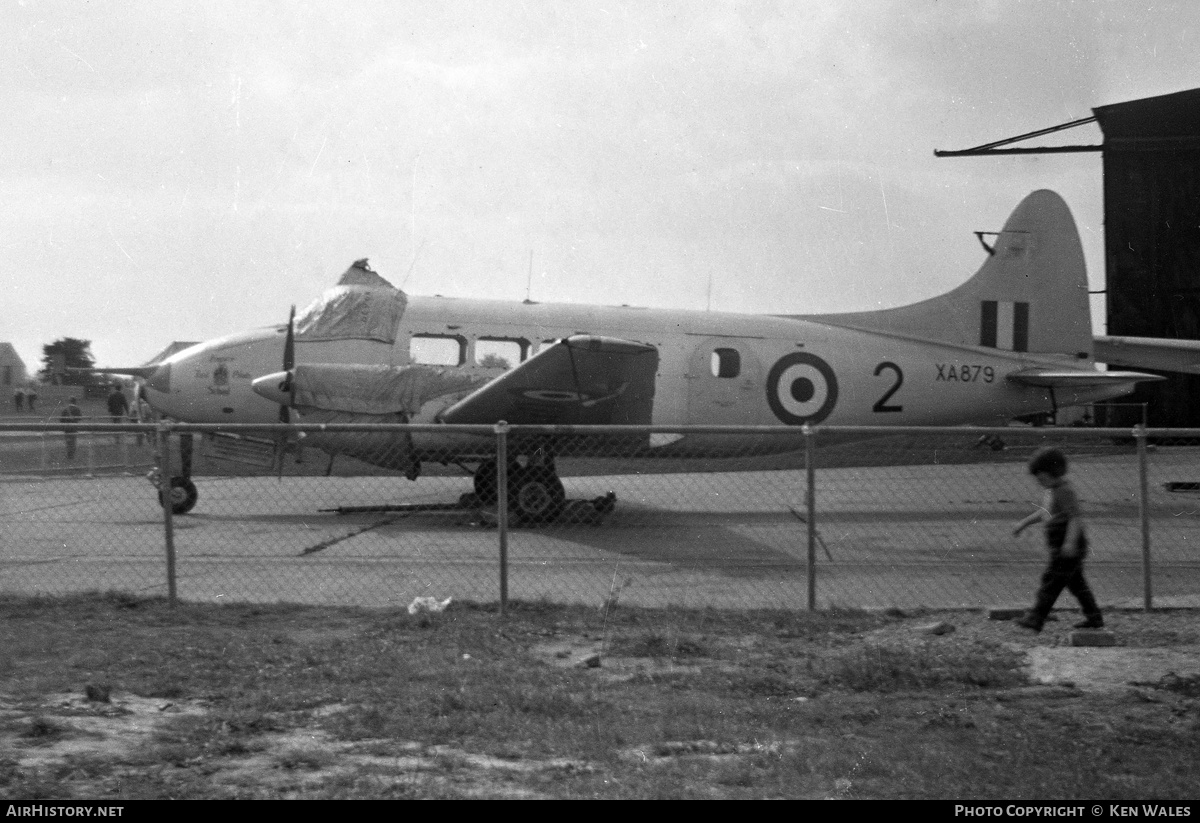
[801,388]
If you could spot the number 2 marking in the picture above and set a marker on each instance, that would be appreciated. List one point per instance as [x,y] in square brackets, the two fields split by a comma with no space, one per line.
[882,405]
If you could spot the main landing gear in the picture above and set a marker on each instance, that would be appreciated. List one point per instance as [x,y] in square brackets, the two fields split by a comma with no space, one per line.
[535,492]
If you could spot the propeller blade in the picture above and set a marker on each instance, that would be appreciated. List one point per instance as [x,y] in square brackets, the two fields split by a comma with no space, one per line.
[289,344]
[289,360]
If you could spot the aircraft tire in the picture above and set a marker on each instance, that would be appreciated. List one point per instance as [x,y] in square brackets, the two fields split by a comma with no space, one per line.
[536,495]
[183,495]
[485,483]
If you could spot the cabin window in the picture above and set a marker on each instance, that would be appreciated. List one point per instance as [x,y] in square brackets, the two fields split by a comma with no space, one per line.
[438,349]
[537,347]
[500,352]
[726,363]
[8,375]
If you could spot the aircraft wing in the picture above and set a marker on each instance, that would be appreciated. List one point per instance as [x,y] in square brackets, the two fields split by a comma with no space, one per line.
[131,371]
[582,380]
[1150,353]
[1078,378]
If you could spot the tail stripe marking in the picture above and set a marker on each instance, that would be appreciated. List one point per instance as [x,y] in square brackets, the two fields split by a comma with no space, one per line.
[1020,327]
[987,324]
[1004,325]
[1005,317]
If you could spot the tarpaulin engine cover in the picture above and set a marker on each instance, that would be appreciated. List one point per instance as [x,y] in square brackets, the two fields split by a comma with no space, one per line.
[376,390]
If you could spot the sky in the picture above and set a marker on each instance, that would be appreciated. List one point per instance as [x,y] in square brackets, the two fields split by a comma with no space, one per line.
[181,170]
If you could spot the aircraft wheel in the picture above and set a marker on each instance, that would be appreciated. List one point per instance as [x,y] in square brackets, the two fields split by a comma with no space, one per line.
[485,483]
[183,495]
[536,495]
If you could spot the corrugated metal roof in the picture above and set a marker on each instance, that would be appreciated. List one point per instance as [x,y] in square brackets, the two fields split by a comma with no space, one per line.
[9,354]
[178,345]
[1152,118]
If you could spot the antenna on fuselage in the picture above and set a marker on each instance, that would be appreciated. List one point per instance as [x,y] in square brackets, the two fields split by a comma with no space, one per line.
[412,265]
[529,278]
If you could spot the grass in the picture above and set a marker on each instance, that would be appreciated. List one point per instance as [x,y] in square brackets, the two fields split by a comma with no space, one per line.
[291,701]
[885,670]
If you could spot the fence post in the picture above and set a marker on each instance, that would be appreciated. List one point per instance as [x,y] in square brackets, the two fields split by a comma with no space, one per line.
[810,506]
[91,455]
[502,508]
[1139,433]
[164,494]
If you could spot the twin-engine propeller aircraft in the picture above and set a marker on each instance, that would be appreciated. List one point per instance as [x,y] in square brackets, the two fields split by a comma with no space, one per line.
[1015,339]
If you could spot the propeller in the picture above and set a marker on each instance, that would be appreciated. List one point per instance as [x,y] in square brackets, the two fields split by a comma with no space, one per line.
[287,386]
[289,362]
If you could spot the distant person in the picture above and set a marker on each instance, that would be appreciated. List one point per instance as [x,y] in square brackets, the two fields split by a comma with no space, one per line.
[139,412]
[1066,542]
[118,405]
[145,412]
[118,408]
[70,415]
[19,399]
[31,399]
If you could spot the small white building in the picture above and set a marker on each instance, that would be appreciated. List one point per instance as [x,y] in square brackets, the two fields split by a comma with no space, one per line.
[12,367]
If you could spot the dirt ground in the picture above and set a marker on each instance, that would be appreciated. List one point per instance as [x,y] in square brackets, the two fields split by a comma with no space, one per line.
[1148,647]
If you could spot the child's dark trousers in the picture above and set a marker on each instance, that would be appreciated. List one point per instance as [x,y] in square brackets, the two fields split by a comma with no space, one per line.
[1064,573]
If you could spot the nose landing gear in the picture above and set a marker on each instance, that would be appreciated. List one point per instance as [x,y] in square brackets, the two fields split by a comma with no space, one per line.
[182,493]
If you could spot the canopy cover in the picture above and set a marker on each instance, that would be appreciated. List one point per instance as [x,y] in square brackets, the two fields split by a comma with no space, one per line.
[362,306]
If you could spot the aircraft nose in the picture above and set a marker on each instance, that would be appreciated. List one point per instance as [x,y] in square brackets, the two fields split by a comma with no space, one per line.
[160,379]
[274,387]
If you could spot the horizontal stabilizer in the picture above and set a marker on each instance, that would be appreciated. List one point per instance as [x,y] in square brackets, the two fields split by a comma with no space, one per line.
[583,380]
[1150,353]
[1079,378]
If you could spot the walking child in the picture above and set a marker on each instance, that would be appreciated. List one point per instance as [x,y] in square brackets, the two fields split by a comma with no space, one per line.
[1066,542]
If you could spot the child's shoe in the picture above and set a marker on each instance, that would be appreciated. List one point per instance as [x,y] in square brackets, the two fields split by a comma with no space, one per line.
[1094,621]
[1029,621]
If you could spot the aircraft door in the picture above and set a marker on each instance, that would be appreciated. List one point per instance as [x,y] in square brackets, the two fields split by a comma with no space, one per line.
[724,383]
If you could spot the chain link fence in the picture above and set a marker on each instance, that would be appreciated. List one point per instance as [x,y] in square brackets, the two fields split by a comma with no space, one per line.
[725,517]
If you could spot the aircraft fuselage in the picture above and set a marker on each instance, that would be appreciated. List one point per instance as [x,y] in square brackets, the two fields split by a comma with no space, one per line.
[714,368]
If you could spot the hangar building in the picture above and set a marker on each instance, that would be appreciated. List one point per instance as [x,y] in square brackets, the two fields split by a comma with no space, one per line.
[1151,162]
[1152,236]
[12,367]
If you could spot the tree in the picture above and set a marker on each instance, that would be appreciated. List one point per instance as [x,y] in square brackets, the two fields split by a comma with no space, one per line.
[494,361]
[68,353]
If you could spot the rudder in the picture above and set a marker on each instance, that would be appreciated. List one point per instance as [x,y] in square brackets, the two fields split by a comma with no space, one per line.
[1030,295]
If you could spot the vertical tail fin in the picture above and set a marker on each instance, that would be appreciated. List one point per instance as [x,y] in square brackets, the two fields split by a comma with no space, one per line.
[1030,295]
